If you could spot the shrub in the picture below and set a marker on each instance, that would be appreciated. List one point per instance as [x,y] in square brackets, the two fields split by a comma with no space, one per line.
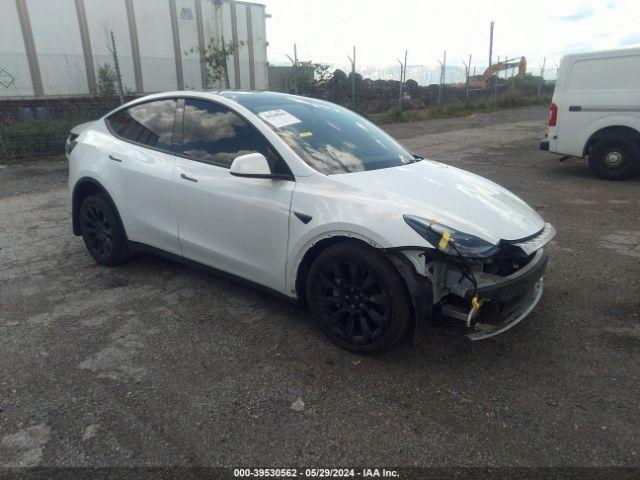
[34,137]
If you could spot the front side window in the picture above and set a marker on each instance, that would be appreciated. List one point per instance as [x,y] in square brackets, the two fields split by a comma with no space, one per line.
[329,138]
[216,135]
[149,124]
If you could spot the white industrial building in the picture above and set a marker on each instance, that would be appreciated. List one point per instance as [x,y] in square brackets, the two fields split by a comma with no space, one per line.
[53,48]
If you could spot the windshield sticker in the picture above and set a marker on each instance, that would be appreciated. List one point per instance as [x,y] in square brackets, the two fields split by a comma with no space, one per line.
[279,118]
[305,134]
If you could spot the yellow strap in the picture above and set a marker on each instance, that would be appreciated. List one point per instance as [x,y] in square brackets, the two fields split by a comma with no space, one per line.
[444,240]
[474,302]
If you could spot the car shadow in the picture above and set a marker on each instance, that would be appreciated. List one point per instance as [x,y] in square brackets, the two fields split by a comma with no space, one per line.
[579,170]
[442,347]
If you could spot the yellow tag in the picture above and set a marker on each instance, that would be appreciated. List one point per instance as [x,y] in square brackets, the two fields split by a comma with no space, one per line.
[474,302]
[444,240]
[305,134]
[431,222]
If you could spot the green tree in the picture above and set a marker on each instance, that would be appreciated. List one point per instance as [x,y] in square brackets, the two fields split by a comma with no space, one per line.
[313,79]
[106,81]
[215,56]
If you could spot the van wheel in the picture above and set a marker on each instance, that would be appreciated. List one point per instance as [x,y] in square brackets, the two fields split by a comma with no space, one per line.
[358,298]
[614,159]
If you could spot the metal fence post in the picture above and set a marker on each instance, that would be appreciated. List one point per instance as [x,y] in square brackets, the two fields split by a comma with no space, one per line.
[400,91]
[467,71]
[225,68]
[117,68]
[443,69]
[294,61]
[541,81]
[353,76]
[495,90]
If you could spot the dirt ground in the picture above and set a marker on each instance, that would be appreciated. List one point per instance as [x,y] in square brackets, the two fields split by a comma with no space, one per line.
[155,363]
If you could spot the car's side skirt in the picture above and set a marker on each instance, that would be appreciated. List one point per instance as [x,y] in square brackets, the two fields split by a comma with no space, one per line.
[139,247]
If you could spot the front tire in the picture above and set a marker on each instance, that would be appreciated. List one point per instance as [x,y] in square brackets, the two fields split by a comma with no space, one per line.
[615,158]
[358,298]
[101,231]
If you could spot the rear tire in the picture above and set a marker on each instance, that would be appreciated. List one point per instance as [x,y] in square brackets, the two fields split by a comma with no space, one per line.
[615,158]
[101,231]
[358,298]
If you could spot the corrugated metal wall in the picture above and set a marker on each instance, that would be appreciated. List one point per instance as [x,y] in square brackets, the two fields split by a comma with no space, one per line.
[54,47]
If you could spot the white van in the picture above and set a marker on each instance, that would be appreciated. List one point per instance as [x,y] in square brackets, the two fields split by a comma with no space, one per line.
[595,112]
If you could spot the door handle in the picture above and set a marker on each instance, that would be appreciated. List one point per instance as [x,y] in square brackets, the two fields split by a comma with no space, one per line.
[184,177]
[115,159]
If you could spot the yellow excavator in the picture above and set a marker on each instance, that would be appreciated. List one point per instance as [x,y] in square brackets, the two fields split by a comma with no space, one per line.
[482,81]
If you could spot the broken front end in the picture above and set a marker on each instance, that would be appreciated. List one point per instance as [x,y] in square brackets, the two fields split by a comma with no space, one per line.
[483,287]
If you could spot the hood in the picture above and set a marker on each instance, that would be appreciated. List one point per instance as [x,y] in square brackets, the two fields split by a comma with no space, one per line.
[452,197]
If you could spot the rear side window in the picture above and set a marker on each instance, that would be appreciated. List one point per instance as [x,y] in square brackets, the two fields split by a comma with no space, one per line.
[216,135]
[149,124]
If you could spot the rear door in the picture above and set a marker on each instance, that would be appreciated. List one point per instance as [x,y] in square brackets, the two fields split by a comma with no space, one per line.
[239,225]
[141,170]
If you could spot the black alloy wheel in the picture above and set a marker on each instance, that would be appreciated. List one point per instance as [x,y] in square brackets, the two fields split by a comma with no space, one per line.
[97,231]
[101,231]
[358,298]
[355,303]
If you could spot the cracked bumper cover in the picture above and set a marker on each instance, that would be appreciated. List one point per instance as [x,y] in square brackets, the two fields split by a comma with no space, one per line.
[508,302]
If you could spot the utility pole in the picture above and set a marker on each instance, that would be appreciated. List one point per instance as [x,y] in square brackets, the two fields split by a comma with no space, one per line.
[116,66]
[443,69]
[467,71]
[491,42]
[544,62]
[294,61]
[353,76]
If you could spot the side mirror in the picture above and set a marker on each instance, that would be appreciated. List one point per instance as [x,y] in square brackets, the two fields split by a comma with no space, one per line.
[253,165]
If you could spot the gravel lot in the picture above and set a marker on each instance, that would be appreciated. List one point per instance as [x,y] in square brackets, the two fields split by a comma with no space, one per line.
[155,363]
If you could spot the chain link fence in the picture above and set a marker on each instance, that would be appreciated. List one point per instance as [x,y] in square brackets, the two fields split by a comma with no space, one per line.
[421,90]
[36,126]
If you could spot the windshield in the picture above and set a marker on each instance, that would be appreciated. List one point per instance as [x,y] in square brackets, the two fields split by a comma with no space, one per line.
[329,138]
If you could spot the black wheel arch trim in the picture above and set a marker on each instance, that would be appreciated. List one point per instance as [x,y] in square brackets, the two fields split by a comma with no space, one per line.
[75,203]
[611,132]
[420,292]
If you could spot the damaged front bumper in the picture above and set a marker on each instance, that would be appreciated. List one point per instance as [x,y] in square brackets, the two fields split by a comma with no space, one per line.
[487,296]
[504,301]
[524,308]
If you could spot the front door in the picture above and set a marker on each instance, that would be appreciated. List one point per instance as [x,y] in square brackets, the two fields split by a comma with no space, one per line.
[239,225]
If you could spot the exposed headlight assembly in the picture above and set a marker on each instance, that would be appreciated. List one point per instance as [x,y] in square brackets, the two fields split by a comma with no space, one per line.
[450,240]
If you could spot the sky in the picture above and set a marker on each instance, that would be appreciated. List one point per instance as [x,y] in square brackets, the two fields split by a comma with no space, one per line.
[325,31]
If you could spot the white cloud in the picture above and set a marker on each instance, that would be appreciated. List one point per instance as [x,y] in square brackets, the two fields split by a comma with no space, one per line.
[326,30]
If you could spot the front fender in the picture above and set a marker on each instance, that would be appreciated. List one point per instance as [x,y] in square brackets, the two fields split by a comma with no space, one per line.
[333,209]
[302,246]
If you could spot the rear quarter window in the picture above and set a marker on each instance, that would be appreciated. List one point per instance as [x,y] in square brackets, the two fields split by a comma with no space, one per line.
[149,124]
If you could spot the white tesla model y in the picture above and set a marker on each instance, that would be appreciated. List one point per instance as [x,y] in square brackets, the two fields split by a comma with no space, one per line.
[312,201]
